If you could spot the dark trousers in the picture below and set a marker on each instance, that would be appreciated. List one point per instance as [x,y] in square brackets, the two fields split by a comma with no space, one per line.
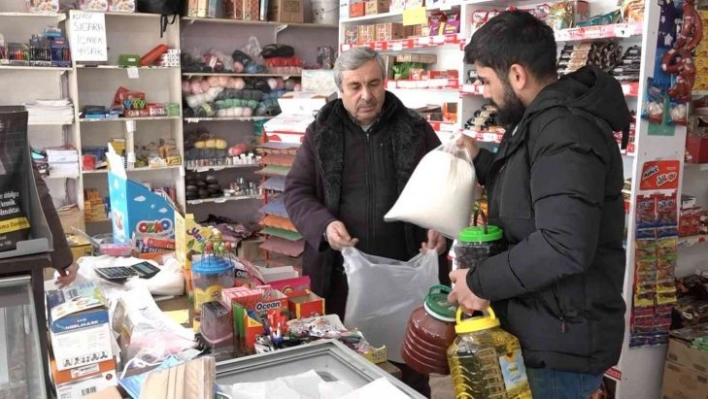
[336,303]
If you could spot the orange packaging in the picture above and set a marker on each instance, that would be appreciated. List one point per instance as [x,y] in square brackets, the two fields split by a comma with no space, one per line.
[309,305]
[106,368]
[356,10]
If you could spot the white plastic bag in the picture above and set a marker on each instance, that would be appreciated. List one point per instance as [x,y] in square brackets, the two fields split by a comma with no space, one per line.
[440,193]
[384,292]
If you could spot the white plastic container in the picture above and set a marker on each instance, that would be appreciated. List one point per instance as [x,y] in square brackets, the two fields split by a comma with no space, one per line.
[325,12]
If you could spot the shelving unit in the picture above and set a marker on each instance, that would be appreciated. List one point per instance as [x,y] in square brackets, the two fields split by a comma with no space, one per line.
[128,33]
[228,35]
[25,84]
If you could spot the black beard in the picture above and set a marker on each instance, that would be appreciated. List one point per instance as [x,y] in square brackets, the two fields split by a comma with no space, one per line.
[511,112]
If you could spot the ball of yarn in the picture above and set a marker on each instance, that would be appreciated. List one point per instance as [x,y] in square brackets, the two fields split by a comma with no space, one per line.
[240,84]
[205,85]
[223,81]
[280,84]
[273,83]
[290,84]
[186,88]
[238,67]
[297,87]
[213,81]
[238,111]
[247,111]
[193,101]
[196,86]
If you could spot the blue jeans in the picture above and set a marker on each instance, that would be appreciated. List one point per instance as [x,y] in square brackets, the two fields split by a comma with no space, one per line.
[552,384]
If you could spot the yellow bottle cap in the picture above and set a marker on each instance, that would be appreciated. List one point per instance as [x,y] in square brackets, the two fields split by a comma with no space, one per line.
[475,324]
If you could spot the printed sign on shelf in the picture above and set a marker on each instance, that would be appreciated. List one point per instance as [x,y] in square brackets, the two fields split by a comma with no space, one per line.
[88,36]
[660,175]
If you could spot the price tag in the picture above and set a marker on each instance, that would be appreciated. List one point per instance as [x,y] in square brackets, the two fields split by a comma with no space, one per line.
[133,73]
[397,46]
[438,39]
[424,41]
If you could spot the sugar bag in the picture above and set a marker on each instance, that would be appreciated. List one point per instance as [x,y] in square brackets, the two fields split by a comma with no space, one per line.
[440,193]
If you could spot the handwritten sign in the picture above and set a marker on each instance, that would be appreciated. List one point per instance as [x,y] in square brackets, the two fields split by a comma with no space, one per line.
[88,36]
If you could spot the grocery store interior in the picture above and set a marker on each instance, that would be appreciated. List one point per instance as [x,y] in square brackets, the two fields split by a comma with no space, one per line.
[165,130]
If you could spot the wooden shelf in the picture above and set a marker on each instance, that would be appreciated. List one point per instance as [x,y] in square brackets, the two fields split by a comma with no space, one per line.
[201,169]
[145,118]
[242,75]
[144,169]
[223,199]
[226,118]
[227,21]
[33,68]
[120,67]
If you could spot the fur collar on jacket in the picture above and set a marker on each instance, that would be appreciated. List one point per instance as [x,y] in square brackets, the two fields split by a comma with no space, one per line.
[407,135]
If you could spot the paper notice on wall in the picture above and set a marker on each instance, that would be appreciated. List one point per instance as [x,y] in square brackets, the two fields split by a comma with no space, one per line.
[88,36]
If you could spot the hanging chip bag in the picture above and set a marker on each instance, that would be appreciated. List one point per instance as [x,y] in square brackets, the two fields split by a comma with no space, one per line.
[440,193]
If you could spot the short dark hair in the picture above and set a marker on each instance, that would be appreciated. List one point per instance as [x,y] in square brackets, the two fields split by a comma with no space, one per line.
[514,37]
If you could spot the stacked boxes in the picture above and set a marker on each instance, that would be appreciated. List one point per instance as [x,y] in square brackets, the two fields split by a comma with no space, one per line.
[171,59]
[82,342]
[701,57]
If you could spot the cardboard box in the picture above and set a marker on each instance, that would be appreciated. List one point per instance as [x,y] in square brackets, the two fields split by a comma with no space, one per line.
[682,353]
[134,208]
[357,9]
[78,326]
[351,34]
[250,249]
[105,370]
[292,287]
[81,389]
[71,218]
[419,58]
[366,33]
[260,299]
[244,10]
[389,31]
[286,11]
[309,305]
[681,382]
[197,8]
[376,7]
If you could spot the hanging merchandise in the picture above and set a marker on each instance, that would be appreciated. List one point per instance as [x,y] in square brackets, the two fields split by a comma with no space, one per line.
[656,244]
[669,91]
[660,175]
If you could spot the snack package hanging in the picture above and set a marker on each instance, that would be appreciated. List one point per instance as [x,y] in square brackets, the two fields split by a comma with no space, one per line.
[384,292]
[440,193]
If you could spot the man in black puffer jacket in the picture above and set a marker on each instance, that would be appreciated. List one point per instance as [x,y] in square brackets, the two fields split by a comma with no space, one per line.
[554,187]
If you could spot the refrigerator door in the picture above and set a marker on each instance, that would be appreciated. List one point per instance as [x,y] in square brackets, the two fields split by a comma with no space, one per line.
[332,360]
[20,357]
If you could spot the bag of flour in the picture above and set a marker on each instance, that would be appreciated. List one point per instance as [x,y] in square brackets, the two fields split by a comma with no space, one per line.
[440,192]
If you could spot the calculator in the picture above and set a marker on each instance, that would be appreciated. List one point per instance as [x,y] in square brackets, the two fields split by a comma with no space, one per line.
[116,274]
[121,273]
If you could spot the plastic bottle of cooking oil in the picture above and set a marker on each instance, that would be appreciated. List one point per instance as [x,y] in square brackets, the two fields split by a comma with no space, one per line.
[485,361]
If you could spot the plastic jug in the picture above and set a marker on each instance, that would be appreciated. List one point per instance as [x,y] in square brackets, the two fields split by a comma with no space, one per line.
[486,361]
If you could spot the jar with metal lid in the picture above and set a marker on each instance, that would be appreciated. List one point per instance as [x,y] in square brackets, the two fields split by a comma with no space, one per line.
[430,332]
[477,243]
